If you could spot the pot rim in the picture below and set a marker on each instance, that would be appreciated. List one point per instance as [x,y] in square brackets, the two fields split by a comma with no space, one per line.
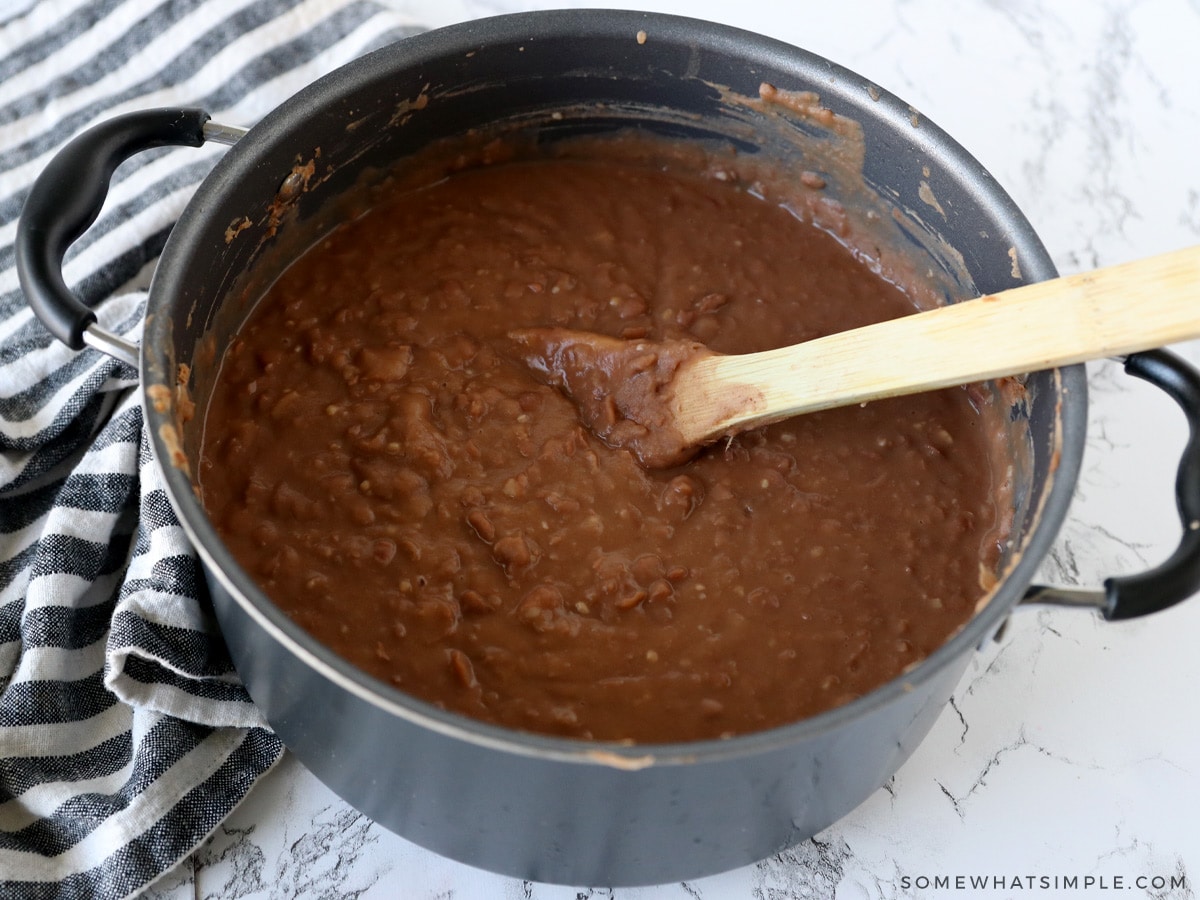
[1070,382]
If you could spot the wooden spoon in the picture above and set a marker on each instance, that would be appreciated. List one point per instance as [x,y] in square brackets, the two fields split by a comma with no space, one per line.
[664,400]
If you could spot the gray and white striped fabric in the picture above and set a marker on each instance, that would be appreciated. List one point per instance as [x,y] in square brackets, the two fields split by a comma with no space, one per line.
[125,736]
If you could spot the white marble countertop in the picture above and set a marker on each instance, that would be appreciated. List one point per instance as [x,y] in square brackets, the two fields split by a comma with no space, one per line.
[1070,748]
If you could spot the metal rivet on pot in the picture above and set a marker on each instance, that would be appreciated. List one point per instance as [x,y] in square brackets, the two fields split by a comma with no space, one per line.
[291,187]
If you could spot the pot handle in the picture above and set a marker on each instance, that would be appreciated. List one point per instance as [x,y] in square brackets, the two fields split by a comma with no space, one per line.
[67,197]
[1176,579]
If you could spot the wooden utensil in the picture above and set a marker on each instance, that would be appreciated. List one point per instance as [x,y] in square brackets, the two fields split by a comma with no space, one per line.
[631,398]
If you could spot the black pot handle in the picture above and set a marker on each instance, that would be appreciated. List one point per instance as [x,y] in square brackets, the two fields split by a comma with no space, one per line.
[66,199]
[1176,579]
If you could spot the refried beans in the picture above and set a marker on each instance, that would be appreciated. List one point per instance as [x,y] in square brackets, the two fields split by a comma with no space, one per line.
[379,458]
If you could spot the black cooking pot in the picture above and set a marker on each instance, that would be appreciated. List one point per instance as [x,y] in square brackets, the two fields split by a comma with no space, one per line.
[531,806]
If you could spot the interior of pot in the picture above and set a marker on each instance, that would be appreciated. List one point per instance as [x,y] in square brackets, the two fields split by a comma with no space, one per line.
[559,75]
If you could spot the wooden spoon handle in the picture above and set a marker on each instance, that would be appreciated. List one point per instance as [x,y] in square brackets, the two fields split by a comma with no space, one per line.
[1108,312]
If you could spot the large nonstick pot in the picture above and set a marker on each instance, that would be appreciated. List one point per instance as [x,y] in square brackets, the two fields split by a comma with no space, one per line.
[526,805]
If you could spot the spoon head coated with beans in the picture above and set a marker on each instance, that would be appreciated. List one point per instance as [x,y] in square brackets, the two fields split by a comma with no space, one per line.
[623,389]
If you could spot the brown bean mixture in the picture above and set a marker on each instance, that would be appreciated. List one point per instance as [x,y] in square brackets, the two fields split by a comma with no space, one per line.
[379,458]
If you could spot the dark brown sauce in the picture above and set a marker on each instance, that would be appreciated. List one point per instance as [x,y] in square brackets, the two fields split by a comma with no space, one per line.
[379,457]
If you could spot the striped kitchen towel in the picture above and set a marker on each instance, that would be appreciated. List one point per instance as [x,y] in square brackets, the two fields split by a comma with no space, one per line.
[125,736]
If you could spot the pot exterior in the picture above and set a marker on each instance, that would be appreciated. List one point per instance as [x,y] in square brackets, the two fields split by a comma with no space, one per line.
[576,820]
[527,806]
